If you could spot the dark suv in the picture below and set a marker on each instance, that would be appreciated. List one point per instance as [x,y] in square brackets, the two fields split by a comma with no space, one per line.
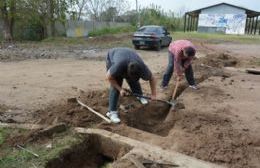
[151,36]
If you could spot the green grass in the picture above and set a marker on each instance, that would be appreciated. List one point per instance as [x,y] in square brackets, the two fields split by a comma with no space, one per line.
[13,157]
[217,38]
[109,31]
[3,134]
[122,39]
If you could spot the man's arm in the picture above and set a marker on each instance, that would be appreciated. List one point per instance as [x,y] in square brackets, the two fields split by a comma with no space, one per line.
[152,82]
[114,83]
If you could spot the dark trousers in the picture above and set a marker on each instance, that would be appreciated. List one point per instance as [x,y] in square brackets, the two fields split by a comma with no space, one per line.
[169,71]
[114,93]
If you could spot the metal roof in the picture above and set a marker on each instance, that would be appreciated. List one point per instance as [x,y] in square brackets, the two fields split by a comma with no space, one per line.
[250,13]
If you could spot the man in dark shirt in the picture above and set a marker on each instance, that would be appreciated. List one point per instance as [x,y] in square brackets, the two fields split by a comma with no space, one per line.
[125,63]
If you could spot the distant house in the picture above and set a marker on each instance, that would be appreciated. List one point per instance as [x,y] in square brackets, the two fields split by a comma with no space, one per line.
[223,18]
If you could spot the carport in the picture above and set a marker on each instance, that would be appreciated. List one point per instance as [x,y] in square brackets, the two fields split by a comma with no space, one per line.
[252,25]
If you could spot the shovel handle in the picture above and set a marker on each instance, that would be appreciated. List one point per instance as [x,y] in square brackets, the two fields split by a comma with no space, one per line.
[175,89]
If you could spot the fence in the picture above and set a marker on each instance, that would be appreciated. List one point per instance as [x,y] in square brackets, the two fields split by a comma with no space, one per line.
[81,28]
[70,29]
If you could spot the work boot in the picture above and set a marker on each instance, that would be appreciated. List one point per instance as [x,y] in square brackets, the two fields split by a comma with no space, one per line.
[194,87]
[142,100]
[113,115]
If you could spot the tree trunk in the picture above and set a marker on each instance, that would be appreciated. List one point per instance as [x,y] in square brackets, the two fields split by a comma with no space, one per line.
[51,6]
[7,29]
[12,16]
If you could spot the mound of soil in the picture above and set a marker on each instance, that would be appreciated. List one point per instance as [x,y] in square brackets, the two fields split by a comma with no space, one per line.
[220,60]
[211,137]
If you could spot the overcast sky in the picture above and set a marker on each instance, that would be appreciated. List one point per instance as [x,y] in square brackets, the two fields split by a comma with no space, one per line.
[176,5]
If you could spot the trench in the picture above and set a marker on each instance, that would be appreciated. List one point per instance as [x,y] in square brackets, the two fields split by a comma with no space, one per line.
[152,117]
[95,151]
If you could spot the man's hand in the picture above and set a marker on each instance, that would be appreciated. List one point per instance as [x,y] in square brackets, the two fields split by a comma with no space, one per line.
[124,92]
[179,77]
[153,97]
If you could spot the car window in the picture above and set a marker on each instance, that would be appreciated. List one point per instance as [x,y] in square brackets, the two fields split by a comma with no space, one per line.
[150,29]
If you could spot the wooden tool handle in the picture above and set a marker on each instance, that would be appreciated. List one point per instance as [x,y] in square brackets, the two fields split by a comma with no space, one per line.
[175,89]
[93,111]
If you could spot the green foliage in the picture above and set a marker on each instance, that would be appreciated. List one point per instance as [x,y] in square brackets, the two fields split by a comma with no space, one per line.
[115,30]
[14,157]
[217,38]
[3,135]
[154,15]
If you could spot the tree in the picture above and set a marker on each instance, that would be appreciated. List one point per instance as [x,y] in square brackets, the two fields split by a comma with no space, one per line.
[96,8]
[47,12]
[109,15]
[80,5]
[8,12]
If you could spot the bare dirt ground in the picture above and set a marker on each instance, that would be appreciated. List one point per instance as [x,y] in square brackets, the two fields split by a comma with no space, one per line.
[218,123]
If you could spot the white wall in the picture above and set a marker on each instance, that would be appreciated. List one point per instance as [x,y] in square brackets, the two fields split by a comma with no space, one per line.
[230,19]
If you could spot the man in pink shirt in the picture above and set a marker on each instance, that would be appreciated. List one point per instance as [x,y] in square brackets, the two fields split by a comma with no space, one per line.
[181,54]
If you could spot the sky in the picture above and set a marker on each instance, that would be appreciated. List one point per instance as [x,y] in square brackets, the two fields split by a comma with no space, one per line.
[189,5]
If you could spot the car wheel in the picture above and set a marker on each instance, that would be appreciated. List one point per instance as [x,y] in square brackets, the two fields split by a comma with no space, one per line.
[159,46]
[137,47]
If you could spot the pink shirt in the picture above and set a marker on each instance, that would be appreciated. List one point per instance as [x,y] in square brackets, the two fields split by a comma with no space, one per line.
[176,49]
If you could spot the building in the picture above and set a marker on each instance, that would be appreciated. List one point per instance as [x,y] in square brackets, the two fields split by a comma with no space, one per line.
[223,18]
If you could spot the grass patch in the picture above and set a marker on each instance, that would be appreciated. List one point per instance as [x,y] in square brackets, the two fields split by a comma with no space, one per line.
[109,31]
[217,38]
[3,134]
[13,157]
[7,132]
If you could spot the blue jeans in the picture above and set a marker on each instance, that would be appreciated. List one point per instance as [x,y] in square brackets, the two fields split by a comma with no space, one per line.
[169,71]
[114,93]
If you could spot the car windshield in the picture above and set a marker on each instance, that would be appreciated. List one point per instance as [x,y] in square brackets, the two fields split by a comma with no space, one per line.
[149,29]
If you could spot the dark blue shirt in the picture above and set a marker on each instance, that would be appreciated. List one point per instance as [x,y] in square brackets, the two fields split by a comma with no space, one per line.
[118,60]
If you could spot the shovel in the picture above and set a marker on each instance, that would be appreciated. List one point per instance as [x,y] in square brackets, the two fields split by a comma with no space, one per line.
[147,97]
[174,102]
[170,115]
[76,100]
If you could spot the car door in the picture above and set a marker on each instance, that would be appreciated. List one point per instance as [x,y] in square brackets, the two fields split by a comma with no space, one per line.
[167,37]
[164,36]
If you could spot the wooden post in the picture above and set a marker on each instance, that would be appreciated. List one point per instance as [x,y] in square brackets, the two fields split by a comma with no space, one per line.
[190,20]
[246,25]
[252,26]
[197,23]
[185,22]
[188,25]
[249,25]
[256,24]
[192,23]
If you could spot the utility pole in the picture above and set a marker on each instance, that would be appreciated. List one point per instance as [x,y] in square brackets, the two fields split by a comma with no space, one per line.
[137,12]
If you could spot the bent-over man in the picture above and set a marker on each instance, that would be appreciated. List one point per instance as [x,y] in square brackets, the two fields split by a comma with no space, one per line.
[125,63]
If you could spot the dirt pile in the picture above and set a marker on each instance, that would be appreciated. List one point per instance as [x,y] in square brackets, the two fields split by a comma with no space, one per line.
[219,60]
[73,114]
[205,130]
[211,137]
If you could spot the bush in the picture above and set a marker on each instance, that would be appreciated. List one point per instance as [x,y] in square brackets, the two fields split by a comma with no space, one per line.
[113,30]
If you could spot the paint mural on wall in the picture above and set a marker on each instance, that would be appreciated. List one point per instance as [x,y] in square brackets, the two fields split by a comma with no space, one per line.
[233,23]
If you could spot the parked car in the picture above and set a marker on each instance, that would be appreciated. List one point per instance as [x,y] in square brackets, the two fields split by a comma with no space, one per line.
[151,36]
